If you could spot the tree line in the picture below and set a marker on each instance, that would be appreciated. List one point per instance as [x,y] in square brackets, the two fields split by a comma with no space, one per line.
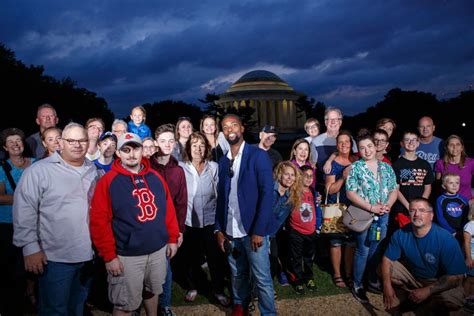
[24,88]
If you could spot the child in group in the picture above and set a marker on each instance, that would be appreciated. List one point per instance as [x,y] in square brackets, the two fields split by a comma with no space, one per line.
[137,124]
[107,147]
[312,128]
[414,178]
[452,209]
[469,254]
[304,223]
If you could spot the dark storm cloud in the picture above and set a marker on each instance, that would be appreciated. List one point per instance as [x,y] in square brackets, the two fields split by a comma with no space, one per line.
[345,53]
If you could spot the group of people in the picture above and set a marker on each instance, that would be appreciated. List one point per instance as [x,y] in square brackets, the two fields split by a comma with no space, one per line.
[149,209]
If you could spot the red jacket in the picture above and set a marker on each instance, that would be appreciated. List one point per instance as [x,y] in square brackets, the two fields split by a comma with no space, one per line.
[132,214]
[174,176]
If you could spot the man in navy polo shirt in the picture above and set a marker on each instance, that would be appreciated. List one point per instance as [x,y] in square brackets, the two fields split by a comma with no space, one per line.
[431,267]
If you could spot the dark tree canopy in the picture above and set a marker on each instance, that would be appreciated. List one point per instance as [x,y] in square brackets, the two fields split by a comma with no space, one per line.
[169,111]
[24,88]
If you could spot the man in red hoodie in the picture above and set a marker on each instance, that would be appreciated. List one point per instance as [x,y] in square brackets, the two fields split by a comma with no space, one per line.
[133,226]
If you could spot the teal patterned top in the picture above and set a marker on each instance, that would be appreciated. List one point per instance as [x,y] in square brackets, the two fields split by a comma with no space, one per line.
[363,182]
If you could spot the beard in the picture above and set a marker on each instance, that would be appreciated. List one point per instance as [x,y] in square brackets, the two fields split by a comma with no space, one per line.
[234,141]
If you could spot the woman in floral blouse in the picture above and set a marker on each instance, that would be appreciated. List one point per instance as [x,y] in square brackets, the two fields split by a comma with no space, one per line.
[371,185]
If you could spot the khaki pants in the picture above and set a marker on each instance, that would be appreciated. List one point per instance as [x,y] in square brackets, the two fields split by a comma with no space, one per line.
[403,281]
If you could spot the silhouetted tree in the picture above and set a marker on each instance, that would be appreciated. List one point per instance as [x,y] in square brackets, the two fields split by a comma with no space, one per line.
[169,111]
[211,106]
[311,108]
[71,103]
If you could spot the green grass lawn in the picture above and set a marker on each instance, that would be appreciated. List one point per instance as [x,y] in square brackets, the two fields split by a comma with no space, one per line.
[323,281]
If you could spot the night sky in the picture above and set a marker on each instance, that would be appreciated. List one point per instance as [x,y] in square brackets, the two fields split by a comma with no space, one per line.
[344,53]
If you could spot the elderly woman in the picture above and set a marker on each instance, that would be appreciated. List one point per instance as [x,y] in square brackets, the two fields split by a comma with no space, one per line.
[149,147]
[11,259]
[455,161]
[199,239]
[371,185]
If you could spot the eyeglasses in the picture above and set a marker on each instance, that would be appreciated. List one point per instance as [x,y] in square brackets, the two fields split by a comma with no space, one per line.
[410,140]
[380,141]
[73,142]
[333,120]
[231,171]
[312,127]
[420,210]
[96,126]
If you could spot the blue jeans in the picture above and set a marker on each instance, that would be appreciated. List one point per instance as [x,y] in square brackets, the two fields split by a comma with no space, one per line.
[165,296]
[244,262]
[367,253]
[63,288]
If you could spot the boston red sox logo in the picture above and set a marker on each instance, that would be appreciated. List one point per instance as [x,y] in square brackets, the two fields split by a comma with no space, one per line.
[146,203]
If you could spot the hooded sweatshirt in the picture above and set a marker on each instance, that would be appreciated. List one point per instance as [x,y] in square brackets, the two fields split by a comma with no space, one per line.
[176,180]
[132,214]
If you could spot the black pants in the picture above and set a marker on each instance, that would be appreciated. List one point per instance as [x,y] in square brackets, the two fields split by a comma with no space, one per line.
[301,255]
[12,274]
[200,244]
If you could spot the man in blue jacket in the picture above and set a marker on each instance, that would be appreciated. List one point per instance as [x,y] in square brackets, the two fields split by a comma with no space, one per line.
[244,218]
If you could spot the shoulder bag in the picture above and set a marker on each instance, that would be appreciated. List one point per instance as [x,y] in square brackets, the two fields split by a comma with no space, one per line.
[358,219]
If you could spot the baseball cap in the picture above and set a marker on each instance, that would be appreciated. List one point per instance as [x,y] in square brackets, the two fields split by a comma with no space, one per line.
[128,138]
[271,129]
[107,135]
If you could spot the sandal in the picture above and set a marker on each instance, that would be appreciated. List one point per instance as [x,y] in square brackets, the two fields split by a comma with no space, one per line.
[339,282]
[190,295]
[251,307]
[349,281]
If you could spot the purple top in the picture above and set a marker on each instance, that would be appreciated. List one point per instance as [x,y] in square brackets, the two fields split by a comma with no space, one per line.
[465,174]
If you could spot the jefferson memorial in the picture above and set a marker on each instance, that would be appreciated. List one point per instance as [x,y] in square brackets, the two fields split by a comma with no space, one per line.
[272,98]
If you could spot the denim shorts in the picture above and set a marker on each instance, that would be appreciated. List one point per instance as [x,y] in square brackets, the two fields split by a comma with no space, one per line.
[338,242]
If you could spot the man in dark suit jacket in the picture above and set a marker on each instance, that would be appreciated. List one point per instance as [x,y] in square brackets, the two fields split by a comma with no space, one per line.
[244,218]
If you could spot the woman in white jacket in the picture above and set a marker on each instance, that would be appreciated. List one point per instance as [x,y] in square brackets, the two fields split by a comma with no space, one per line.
[199,239]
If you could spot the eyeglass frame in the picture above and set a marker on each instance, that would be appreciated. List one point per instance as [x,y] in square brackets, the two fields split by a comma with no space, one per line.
[410,140]
[72,142]
[381,141]
[424,211]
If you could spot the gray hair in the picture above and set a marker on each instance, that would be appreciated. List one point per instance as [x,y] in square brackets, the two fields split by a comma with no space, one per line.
[45,106]
[71,126]
[118,121]
[332,109]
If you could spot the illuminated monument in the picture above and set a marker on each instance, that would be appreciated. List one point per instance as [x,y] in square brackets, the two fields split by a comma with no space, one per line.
[272,98]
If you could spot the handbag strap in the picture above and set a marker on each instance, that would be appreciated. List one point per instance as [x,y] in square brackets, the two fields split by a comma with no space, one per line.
[326,199]
[379,173]
[7,168]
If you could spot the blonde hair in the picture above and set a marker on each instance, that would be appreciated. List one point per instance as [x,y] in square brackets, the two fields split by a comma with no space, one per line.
[312,121]
[296,190]
[445,177]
